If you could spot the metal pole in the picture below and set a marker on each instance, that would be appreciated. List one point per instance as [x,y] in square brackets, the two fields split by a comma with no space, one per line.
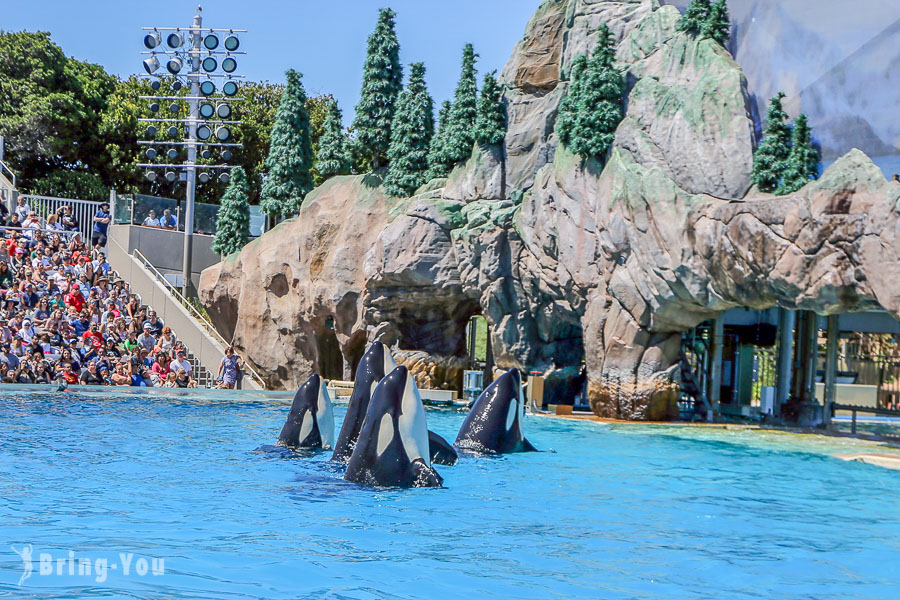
[715,369]
[785,358]
[2,147]
[831,359]
[190,164]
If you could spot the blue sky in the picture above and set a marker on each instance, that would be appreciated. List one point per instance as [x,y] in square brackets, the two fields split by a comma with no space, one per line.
[325,40]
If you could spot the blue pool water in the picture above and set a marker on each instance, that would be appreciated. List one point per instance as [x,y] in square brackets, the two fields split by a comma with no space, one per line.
[607,511]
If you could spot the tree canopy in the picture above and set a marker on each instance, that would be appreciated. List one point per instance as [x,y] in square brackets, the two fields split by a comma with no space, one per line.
[331,156]
[460,131]
[769,158]
[411,136]
[233,219]
[490,124]
[382,83]
[802,164]
[437,164]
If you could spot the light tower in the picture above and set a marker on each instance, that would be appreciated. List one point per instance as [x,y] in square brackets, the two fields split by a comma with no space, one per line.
[200,58]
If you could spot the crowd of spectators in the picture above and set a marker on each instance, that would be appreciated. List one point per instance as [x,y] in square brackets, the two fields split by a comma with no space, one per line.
[65,315]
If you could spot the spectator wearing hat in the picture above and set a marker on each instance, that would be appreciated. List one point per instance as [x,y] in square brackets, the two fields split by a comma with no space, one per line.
[156,324]
[74,298]
[146,339]
[180,362]
[101,225]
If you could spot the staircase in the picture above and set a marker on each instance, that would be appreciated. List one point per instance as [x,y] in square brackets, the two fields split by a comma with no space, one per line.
[695,360]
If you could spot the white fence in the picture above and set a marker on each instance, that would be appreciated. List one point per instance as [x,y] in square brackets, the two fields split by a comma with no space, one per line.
[83,210]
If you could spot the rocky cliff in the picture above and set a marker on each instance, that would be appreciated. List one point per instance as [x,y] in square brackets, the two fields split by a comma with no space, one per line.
[573,263]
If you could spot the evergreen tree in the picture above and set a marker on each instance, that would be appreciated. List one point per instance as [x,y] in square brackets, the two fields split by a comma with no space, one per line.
[382,83]
[437,165]
[233,219]
[460,128]
[288,177]
[694,18]
[592,108]
[331,159]
[411,136]
[718,25]
[802,164]
[770,156]
[490,124]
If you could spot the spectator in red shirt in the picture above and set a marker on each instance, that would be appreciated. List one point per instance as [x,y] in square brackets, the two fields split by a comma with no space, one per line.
[92,336]
[74,298]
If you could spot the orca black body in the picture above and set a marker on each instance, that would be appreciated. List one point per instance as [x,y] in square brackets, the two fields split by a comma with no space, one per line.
[494,424]
[310,424]
[373,366]
[442,453]
[392,449]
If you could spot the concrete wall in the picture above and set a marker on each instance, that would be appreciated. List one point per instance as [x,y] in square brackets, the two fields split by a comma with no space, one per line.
[199,341]
[165,248]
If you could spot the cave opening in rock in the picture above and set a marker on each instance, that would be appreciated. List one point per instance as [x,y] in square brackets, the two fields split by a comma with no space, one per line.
[330,359]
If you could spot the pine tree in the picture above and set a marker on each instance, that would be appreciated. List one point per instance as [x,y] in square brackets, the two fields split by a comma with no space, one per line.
[382,83]
[718,25]
[288,178]
[802,164]
[592,108]
[695,17]
[233,219]
[490,124]
[410,136]
[460,137]
[437,165]
[770,156]
[332,159]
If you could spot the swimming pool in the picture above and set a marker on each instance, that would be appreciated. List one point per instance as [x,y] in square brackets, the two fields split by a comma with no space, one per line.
[606,511]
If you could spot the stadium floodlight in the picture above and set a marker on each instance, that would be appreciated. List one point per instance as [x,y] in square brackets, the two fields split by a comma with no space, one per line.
[154,107]
[174,65]
[211,41]
[207,110]
[203,132]
[205,154]
[176,85]
[224,178]
[175,40]
[151,131]
[151,153]
[155,85]
[151,175]
[230,88]
[229,65]
[171,176]
[232,43]
[209,64]
[223,133]
[226,155]
[152,40]
[223,111]
[203,177]
[174,108]
[208,88]
[151,65]
[172,130]
[172,153]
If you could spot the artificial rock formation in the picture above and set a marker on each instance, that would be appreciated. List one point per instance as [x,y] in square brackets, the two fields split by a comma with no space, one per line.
[575,264]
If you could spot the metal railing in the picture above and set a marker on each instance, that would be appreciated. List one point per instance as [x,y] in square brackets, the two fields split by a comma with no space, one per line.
[83,210]
[198,316]
[5,167]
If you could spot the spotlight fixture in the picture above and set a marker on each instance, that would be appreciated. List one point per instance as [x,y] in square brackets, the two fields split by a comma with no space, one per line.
[223,111]
[174,108]
[172,130]
[154,107]
[226,155]
[232,43]
[155,85]
[203,177]
[211,42]
[151,176]
[172,153]
[229,65]
[175,40]
[203,132]
[171,176]
[174,65]
[151,131]
[151,153]
[223,134]
[205,154]
[229,89]
[210,64]
[152,40]
[207,110]
[224,178]
[208,88]
[151,65]
[176,85]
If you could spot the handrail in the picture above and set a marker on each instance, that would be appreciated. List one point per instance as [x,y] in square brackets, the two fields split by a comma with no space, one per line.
[8,170]
[194,312]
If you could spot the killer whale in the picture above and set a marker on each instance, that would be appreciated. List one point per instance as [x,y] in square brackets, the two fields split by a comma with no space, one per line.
[374,365]
[392,449]
[310,423]
[494,424]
